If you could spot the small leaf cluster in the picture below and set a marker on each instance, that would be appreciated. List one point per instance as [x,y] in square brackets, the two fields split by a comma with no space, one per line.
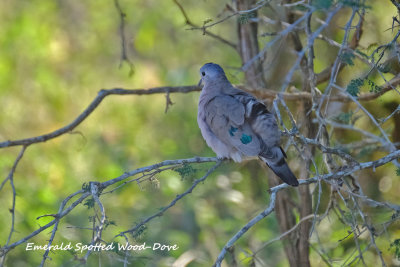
[396,245]
[244,18]
[139,232]
[89,203]
[186,171]
[353,3]
[347,58]
[354,86]
[373,87]
[108,222]
[322,4]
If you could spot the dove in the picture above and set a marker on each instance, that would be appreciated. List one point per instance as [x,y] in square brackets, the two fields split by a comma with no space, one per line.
[235,125]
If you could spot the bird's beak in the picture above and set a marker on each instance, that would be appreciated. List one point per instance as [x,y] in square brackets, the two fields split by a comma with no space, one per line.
[200,83]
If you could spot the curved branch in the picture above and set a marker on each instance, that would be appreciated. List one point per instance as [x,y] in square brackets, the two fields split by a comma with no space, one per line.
[301,96]
[92,106]
[4,250]
[190,23]
[63,212]
[172,203]
[245,228]
[262,94]
[343,172]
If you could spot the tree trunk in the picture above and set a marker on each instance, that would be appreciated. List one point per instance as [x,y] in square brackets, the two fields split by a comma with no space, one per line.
[297,247]
[248,44]
[305,208]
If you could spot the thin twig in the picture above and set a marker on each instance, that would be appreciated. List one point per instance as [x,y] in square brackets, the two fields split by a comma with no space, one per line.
[245,228]
[341,173]
[124,53]
[95,191]
[205,31]
[5,249]
[281,236]
[173,202]
[92,106]
[57,221]
[270,94]
[10,178]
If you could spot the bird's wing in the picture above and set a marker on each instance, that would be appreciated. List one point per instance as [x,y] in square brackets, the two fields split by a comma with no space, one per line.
[226,117]
[262,122]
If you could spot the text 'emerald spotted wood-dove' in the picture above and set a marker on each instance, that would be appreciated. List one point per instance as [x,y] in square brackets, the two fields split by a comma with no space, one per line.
[236,125]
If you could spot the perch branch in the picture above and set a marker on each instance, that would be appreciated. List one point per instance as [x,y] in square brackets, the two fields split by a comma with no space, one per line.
[330,176]
[263,94]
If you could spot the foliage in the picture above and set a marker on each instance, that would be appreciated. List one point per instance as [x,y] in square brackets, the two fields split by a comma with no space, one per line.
[89,203]
[57,55]
[396,246]
[353,88]
[374,88]
[246,17]
[355,4]
[322,4]
[186,171]
[347,58]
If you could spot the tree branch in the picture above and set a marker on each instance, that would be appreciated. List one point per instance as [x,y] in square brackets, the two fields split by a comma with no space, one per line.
[205,31]
[63,212]
[245,228]
[92,106]
[262,94]
[124,53]
[172,203]
[347,170]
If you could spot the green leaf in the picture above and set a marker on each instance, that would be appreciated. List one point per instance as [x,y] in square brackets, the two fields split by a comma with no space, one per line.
[86,187]
[396,245]
[89,203]
[186,171]
[108,223]
[139,232]
[374,88]
[322,4]
[398,171]
[244,18]
[354,86]
[347,58]
[354,4]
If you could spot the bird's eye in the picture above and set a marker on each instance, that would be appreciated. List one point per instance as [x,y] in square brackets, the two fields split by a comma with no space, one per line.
[203,73]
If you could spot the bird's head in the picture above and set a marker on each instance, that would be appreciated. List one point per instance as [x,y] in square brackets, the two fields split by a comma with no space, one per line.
[211,73]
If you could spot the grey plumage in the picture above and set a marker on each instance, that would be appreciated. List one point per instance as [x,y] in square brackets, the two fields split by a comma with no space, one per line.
[236,125]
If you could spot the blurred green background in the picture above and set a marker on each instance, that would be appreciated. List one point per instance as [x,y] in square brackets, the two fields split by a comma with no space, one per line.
[54,58]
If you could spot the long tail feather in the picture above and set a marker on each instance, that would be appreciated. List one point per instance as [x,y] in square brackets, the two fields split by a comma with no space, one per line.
[282,170]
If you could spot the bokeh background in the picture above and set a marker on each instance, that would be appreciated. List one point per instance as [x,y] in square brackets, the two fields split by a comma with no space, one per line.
[54,58]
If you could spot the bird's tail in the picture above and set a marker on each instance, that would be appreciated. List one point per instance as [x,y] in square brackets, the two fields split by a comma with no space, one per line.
[279,166]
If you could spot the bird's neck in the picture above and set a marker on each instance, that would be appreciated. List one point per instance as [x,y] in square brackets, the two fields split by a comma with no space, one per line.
[217,85]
